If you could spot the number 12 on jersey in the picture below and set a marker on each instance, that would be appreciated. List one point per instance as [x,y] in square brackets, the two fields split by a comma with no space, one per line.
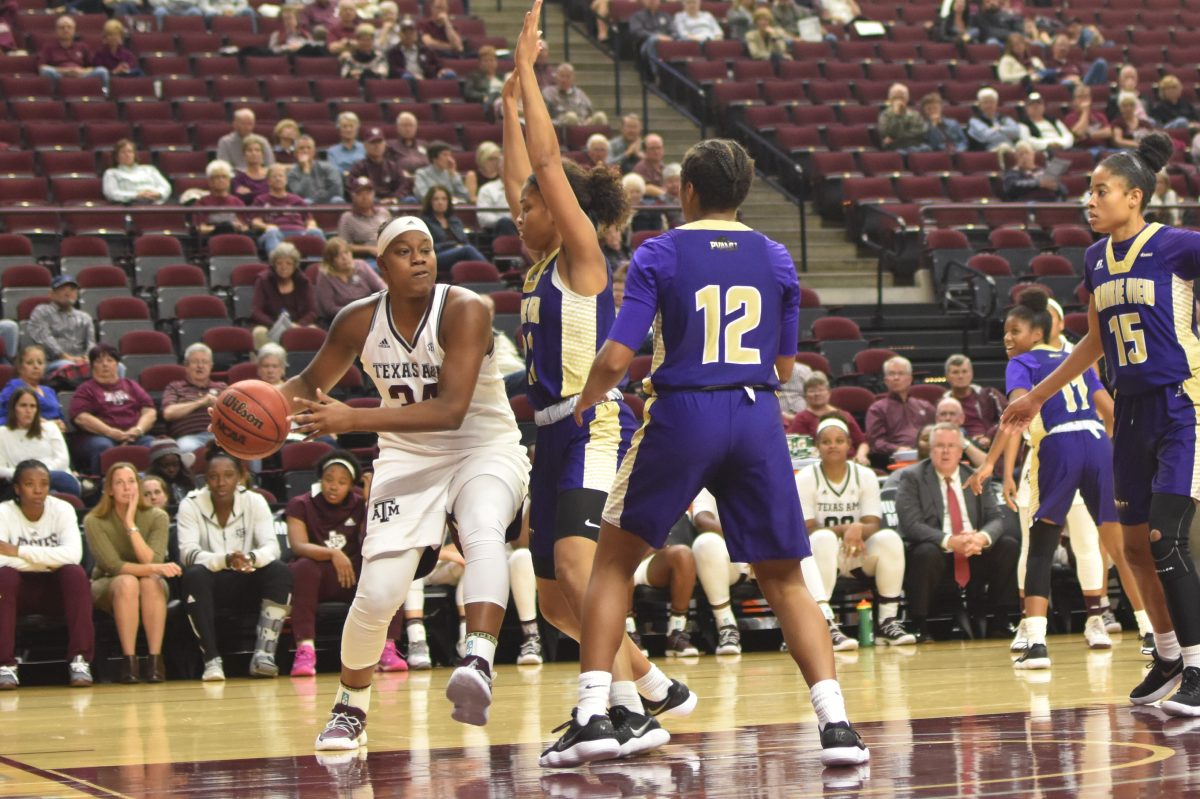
[727,333]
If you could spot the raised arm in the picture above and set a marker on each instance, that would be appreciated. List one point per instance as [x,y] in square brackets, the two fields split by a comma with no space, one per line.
[516,157]
[581,264]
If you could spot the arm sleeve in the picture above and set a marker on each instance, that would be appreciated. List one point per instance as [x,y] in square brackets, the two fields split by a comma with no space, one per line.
[113,190]
[160,184]
[39,330]
[107,559]
[877,429]
[1018,375]
[1187,263]
[70,548]
[869,503]
[307,304]
[188,529]
[158,533]
[1092,381]
[259,308]
[913,526]
[139,394]
[266,546]
[60,459]
[84,401]
[789,329]
[641,299]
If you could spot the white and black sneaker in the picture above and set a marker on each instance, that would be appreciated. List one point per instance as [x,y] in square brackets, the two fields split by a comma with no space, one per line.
[1161,678]
[1111,625]
[679,701]
[841,745]
[1186,701]
[1035,657]
[679,644]
[345,730]
[470,691]
[892,633]
[582,743]
[1096,634]
[841,641]
[531,651]
[418,656]
[1020,641]
[9,681]
[1148,644]
[80,673]
[729,640]
[637,732]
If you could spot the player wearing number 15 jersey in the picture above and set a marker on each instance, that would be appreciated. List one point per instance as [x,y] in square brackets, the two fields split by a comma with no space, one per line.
[724,303]
[1142,320]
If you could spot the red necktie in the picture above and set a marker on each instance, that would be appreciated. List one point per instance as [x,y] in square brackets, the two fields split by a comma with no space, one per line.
[962,571]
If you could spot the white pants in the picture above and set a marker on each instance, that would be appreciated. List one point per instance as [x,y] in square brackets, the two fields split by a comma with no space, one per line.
[882,558]
[1085,543]
[713,568]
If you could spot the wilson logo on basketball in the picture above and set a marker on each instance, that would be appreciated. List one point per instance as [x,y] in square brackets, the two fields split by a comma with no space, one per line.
[237,406]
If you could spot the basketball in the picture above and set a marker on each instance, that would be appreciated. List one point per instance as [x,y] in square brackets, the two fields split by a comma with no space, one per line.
[249,420]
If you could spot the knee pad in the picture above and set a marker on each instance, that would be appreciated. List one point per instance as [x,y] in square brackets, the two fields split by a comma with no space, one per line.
[1043,540]
[1171,517]
[708,546]
[823,541]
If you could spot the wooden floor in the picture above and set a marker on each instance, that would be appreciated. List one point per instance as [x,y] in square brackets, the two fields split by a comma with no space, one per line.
[942,720]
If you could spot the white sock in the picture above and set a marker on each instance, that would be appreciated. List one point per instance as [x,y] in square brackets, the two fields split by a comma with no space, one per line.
[888,610]
[1035,629]
[828,702]
[1167,645]
[624,693]
[354,697]
[462,629]
[416,631]
[481,645]
[724,616]
[308,642]
[826,611]
[1143,622]
[593,695]
[523,584]
[1191,655]
[1104,600]
[630,625]
[677,621]
[529,628]
[654,685]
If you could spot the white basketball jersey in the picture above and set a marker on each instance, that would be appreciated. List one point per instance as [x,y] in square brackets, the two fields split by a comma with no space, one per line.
[857,496]
[406,372]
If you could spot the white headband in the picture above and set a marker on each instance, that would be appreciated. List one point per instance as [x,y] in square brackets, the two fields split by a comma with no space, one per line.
[398,226]
[833,422]
[1053,305]
[341,462]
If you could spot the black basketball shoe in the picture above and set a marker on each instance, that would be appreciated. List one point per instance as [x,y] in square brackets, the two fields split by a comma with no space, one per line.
[680,701]
[841,745]
[1186,701]
[1161,678]
[636,732]
[582,743]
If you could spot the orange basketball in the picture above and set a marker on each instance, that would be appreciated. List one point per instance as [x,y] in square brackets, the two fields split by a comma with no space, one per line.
[249,420]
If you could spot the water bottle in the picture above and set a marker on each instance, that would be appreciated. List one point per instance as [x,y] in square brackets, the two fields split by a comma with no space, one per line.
[866,623]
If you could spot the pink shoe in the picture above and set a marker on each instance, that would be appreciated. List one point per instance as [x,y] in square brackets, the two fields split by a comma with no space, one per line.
[390,660]
[305,664]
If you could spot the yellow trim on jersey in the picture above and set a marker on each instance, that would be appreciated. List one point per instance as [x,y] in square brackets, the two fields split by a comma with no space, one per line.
[714,224]
[1122,266]
[1183,306]
[1035,491]
[535,272]
[614,508]
[600,453]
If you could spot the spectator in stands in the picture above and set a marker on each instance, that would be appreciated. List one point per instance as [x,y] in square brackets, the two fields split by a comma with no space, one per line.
[739,19]
[64,332]
[227,8]
[230,558]
[483,84]
[154,492]
[40,551]
[342,279]
[411,58]
[443,171]
[31,368]
[1043,133]
[989,129]
[508,358]
[650,167]
[1127,81]
[595,152]
[230,147]
[816,398]
[112,410]
[625,149]
[994,24]
[438,33]
[407,150]
[839,12]
[9,339]
[765,42]
[1027,182]
[1069,71]
[893,422]
[185,402]
[319,14]
[173,466]
[1127,129]
[900,127]
[128,539]
[635,196]
[220,178]
[291,36]
[791,393]
[286,133]
[1080,35]
[695,24]
[672,188]
[1018,65]
[788,16]
[129,182]
[955,26]
[950,411]
[349,150]
[450,239]
[568,104]
[943,524]
[1089,127]
[944,134]
[251,182]
[67,57]
[499,221]
[385,174]
[8,23]
[363,60]
[339,37]
[114,56]
[614,244]
[648,26]
[359,227]
[280,217]
[318,182]
[283,297]
[1171,110]
[981,406]
[272,364]
[1163,195]
[26,434]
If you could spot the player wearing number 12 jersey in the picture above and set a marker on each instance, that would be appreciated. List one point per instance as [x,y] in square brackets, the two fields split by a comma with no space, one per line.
[724,303]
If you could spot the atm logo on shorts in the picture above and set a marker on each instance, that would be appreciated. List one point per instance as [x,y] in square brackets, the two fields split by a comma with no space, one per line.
[383,510]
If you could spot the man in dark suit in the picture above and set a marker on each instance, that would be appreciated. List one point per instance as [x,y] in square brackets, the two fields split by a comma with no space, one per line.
[949,528]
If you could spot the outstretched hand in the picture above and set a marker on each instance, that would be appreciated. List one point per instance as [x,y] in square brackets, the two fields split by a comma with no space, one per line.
[527,41]
[1019,414]
[323,417]
[982,474]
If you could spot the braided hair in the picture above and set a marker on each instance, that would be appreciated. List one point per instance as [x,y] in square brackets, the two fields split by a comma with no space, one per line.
[1139,168]
[1033,308]
[720,171]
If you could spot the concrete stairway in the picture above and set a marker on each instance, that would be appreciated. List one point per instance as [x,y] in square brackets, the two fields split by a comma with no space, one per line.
[835,267]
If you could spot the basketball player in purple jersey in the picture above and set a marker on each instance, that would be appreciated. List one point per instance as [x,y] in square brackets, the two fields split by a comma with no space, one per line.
[724,303]
[566,312]
[1142,320]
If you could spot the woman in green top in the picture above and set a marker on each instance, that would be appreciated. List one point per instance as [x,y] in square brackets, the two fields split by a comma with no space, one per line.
[128,539]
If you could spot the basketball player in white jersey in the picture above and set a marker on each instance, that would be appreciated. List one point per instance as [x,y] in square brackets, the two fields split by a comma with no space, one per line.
[449,447]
